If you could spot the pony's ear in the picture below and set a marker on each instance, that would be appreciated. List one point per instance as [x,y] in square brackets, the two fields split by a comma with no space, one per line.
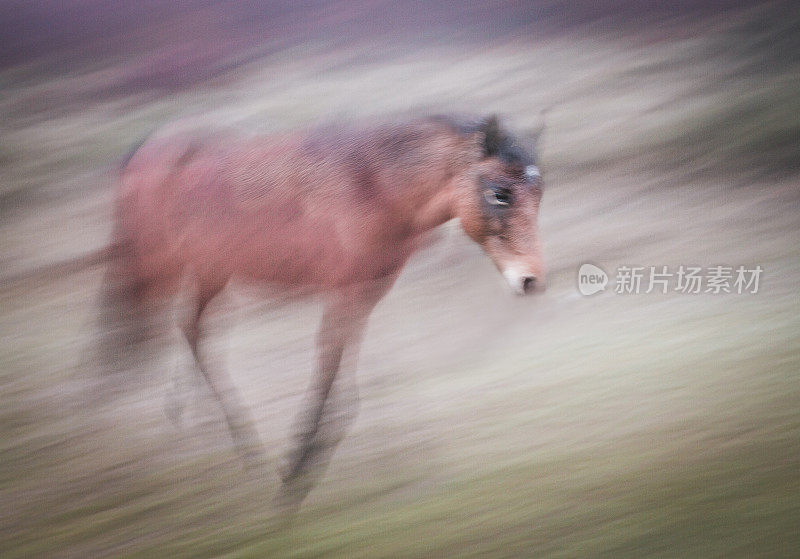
[491,136]
[536,134]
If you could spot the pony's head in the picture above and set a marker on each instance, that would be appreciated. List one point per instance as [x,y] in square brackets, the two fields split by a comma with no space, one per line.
[498,204]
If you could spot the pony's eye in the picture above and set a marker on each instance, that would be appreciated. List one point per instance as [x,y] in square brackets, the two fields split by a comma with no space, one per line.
[497,197]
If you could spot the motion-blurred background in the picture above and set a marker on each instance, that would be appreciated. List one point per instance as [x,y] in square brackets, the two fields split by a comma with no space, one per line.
[554,426]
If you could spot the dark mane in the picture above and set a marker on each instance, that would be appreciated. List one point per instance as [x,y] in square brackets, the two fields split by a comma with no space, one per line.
[507,147]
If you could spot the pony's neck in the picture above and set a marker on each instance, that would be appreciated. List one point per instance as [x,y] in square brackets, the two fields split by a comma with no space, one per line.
[435,202]
[436,209]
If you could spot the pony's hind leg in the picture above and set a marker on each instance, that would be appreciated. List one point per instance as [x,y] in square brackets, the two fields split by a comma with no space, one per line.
[132,327]
[237,417]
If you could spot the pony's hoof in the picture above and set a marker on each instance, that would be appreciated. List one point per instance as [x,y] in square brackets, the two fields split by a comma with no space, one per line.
[254,458]
[289,497]
[174,411]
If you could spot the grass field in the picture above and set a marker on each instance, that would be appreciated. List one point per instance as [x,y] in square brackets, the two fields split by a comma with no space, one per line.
[649,425]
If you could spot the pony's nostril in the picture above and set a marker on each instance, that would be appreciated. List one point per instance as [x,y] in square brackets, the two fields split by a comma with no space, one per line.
[528,284]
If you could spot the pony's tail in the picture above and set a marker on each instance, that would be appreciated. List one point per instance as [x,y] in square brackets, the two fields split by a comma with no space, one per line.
[127,315]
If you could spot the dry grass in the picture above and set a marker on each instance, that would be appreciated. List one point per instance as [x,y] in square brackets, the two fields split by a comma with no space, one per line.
[560,426]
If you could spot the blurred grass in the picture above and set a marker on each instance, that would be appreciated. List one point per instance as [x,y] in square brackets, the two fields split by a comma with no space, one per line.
[718,480]
[621,427]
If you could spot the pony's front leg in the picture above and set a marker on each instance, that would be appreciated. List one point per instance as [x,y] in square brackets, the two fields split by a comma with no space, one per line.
[324,419]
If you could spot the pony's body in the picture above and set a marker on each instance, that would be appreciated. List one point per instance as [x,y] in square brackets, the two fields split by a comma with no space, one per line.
[320,211]
[336,211]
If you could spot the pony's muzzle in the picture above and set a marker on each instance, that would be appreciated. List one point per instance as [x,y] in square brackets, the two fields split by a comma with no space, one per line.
[522,282]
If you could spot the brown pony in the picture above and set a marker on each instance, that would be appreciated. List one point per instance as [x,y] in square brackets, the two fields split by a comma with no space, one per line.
[334,211]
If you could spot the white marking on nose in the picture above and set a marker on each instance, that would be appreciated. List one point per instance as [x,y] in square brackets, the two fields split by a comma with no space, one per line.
[516,276]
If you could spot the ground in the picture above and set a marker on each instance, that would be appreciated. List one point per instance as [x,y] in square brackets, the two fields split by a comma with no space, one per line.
[557,425]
